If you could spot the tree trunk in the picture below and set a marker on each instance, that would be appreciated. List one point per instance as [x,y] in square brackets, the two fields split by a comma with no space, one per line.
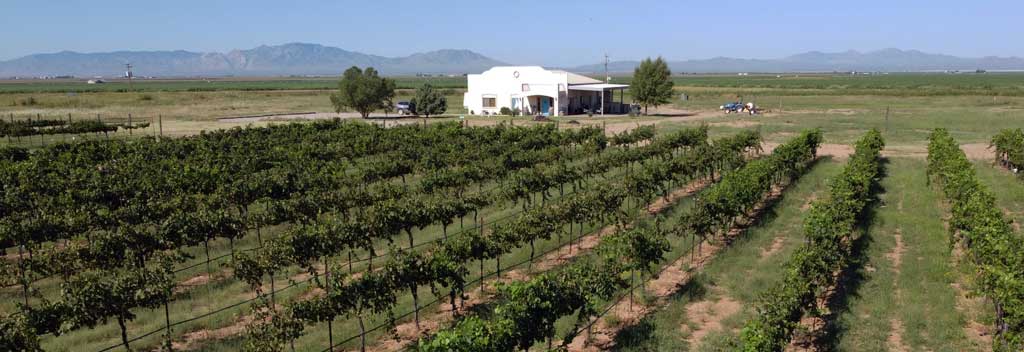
[632,285]
[206,247]
[451,300]
[570,237]
[273,292]
[231,243]
[167,323]
[529,267]
[409,232]
[362,334]
[124,333]
[444,230]
[24,273]
[330,322]
[415,305]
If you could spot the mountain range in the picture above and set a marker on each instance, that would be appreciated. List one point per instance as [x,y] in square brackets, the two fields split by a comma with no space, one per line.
[885,60]
[286,59]
[314,59]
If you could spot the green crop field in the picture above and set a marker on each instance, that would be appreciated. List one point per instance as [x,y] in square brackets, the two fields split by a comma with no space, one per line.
[857,213]
[205,85]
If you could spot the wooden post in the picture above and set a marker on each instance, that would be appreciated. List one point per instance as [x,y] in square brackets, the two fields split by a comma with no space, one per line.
[12,122]
[886,119]
[129,124]
[39,119]
[161,119]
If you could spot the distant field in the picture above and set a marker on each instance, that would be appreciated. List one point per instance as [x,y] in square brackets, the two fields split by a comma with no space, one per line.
[907,84]
[206,85]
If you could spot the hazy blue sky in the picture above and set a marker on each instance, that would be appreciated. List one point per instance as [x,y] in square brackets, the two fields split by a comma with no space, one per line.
[524,32]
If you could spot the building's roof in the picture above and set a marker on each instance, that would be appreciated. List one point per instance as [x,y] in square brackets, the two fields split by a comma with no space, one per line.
[598,87]
[577,78]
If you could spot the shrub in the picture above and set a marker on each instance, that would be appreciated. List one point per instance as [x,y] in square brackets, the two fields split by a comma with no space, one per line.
[30,101]
[506,111]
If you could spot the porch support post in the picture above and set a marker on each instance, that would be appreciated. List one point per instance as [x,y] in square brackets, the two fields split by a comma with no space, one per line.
[602,102]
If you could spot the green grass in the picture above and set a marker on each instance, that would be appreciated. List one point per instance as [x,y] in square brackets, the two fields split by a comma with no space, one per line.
[738,271]
[919,295]
[1008,188]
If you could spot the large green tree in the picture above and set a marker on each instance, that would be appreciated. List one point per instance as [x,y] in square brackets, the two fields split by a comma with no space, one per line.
[429,101]
[652,83]
[363,91]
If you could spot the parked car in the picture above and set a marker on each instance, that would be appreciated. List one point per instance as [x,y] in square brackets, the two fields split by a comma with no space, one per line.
[405,108]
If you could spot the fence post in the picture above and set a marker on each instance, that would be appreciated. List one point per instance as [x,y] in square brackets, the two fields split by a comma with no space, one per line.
[886,119]
[105,133]
[12,123]
[12,126]
[39,119]
[129,124]
[161,118]
[64,136]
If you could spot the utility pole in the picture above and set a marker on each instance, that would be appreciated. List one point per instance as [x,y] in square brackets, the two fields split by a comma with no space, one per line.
[607,78]
[128,73]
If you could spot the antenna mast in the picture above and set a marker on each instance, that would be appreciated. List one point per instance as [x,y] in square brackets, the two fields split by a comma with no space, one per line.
[607,78]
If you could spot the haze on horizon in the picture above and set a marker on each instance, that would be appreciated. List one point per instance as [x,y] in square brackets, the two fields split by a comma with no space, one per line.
[563,33]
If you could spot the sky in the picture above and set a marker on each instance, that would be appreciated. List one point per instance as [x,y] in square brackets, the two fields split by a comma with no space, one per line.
[551,33]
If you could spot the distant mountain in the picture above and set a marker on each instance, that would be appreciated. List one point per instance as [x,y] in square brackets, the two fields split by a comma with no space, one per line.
[886,60]
[314,59]
[287,59]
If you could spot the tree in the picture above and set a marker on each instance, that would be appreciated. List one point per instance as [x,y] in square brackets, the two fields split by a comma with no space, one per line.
[429,101]
[652,83]
[363,91]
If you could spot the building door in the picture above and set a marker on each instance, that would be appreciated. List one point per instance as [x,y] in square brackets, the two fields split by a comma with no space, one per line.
[545,106]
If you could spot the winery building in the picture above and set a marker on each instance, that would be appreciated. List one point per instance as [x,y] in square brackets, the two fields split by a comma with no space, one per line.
[534,90]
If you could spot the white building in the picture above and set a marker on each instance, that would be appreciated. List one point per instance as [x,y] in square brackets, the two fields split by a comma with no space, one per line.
[535,90]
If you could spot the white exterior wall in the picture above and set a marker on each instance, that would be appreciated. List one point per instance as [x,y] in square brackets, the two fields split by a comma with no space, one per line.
[501,83]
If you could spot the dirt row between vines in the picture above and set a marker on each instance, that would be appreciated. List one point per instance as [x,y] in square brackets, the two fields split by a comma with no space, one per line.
[602,334]
[406,333]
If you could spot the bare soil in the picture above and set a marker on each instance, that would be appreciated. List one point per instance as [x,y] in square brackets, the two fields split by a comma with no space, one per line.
[895,339]
[736,124]
[708,316]
[775,247]
[896,255]
[978,151]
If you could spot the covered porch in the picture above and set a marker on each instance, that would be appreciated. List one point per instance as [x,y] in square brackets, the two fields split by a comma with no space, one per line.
[598,98]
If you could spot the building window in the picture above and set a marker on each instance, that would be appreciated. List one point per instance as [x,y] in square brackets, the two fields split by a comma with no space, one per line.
[490,102]
[526,87]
